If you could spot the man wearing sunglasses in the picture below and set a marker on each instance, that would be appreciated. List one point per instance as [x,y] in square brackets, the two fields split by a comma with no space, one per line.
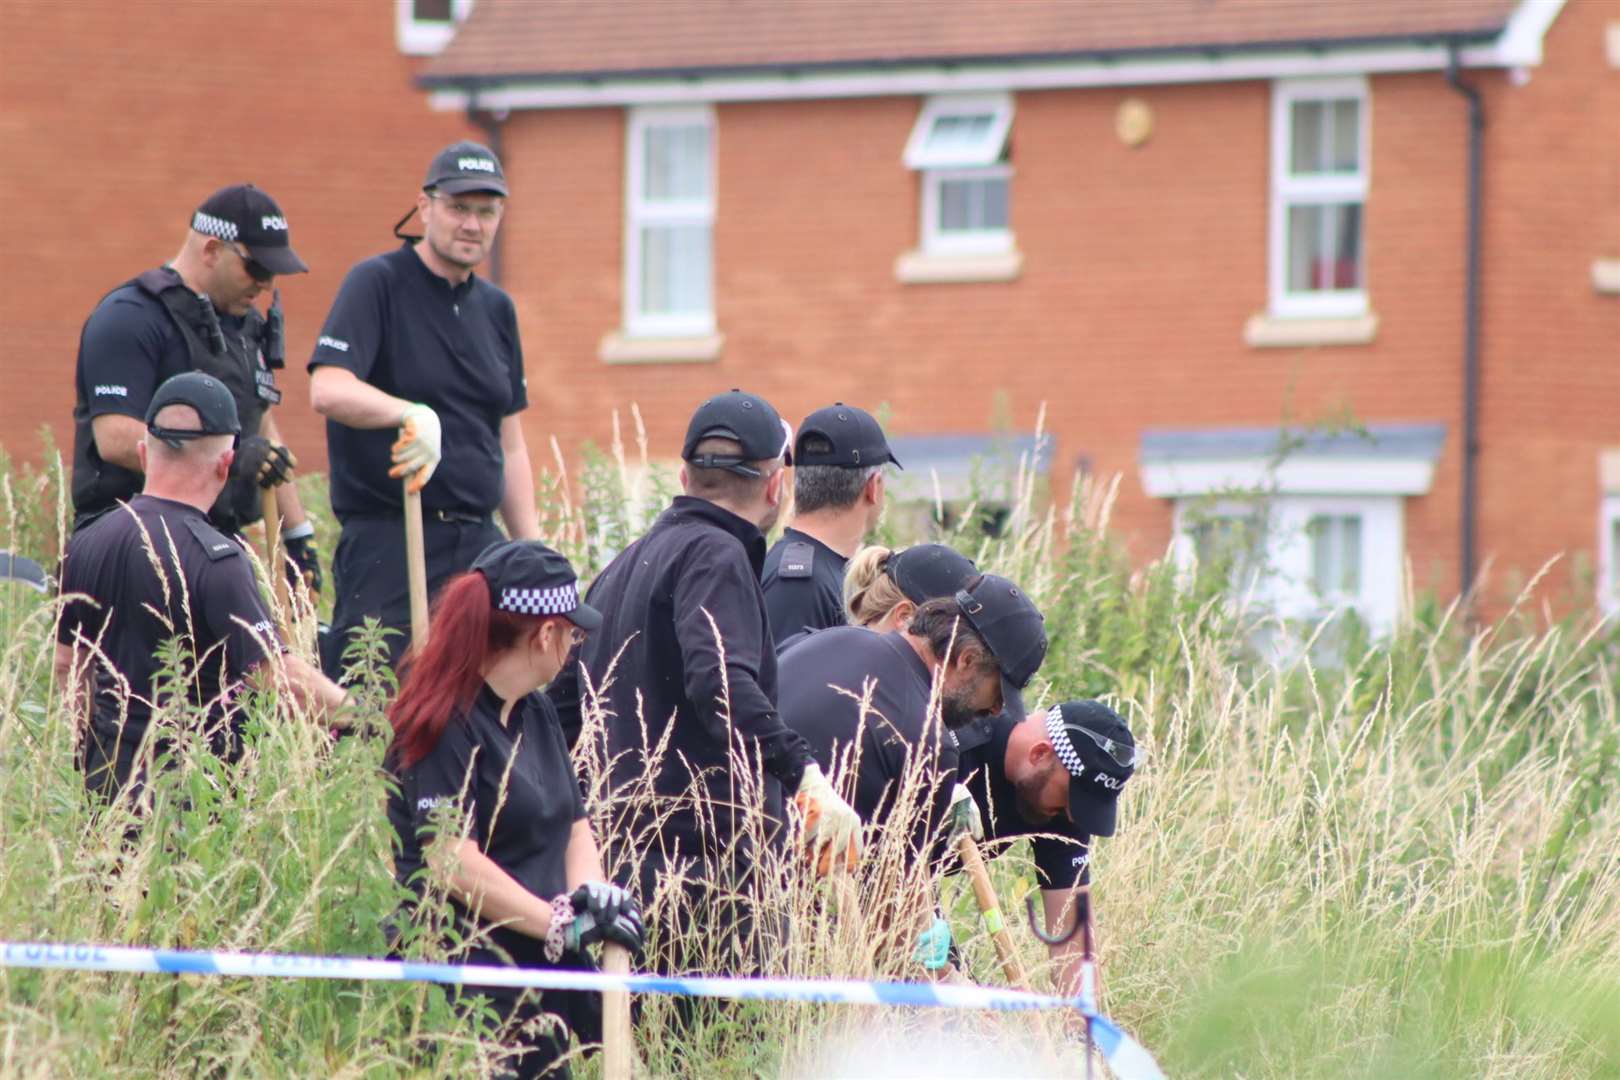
[196,313]
[419,373]
[1055,777]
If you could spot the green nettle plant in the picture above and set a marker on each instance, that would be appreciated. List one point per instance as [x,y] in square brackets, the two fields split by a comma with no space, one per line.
[1401,863]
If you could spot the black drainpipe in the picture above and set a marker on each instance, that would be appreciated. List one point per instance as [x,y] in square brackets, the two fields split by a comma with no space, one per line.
[1470,432]
[491,123]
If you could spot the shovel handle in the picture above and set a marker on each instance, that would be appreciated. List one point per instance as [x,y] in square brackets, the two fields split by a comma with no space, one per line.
[275,559]
[990,910]
[618,1044]
[416,569]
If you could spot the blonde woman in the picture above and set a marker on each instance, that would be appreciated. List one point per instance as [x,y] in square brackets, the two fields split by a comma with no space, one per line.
[883,588]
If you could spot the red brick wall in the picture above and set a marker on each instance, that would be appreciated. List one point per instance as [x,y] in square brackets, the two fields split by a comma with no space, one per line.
[119,118]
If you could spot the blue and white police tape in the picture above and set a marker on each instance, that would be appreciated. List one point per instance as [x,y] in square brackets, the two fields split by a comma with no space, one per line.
[1126,1057]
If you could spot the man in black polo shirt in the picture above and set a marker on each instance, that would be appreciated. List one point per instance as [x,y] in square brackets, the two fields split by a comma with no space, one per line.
[419,373]
[685,673]
[838,462]
[153,570]
[1054,777]
[196,313]
[987,636]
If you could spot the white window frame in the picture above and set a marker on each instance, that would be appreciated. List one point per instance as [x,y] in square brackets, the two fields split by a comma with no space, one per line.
[416,37]
[638,213]
[1288,190]
[1608,516]
[937,241]
[980,162]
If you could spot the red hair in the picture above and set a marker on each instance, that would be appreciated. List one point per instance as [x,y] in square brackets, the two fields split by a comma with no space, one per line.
[467,631]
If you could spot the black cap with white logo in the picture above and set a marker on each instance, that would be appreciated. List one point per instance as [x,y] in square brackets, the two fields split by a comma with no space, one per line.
[745,418]
[528,578]
[1098,750]
[465,166]
[842,435]
[242,214]
[216,409]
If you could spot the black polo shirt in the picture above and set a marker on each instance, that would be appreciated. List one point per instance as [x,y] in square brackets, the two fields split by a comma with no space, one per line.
[803,580]
[206,593]
[517,788]
[411,333]
[1062,860]
[668,602]
[824,677]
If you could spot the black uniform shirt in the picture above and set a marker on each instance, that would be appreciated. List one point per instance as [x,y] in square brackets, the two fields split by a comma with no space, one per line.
[699,562]
[1062,860]
[407,331]
[803,581]
[822,671]
[515,785]
[129,347]
[225,618]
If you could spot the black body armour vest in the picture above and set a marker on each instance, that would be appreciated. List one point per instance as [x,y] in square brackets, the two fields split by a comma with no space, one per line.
[245,363]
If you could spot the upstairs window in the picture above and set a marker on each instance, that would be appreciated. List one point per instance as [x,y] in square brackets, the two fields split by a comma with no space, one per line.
[425,27]
[959,145]
[1318,198]
[669,231]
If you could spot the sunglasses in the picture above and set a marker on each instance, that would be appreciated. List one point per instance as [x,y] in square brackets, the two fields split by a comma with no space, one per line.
[1125,755]
[256,270]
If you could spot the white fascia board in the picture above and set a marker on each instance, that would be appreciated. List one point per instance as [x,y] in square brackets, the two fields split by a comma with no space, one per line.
[1519,46]
[1298,476]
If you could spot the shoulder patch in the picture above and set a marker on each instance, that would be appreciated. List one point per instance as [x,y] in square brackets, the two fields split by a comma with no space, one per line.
[212,540]
[797,560]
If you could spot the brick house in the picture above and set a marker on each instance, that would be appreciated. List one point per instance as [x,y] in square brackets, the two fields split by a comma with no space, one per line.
[1202,232]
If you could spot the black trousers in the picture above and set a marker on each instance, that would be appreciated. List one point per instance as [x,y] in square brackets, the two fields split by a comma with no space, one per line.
[369,574]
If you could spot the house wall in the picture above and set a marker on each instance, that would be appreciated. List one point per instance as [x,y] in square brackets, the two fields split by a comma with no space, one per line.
[119,118]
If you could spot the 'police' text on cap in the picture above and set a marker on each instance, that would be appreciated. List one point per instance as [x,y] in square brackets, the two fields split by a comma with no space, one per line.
[242,214]
[465,166]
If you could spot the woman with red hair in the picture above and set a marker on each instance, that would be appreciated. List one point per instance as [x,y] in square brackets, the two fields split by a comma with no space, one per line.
[488,804]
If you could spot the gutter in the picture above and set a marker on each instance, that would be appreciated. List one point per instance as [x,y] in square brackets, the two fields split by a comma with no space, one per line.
[492,123]
[1469,511]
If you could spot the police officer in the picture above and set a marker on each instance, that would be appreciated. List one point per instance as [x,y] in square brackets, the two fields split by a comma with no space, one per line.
[155,569]
[848,689]
[419,373]
[196,313]
[686,672]
[1056,778]
[838,462]
[883,588]
[474,739]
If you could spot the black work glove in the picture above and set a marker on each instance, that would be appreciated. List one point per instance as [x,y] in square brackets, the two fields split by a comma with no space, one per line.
[613,915]
[306,562]
[270,464]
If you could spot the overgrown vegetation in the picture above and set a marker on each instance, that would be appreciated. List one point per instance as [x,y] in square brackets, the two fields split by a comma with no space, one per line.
[1401,866]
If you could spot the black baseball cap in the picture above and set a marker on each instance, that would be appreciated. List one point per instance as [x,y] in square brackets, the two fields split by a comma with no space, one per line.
[216,409]
[22,569]
[528,578]
[1097,748]
[925,572]
[747,418]
[245,215]
[842,435]
[465,166]
[1009,623]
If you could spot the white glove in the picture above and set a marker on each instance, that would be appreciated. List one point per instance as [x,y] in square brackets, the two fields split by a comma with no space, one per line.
[964,813]
[416,451]
[832,829]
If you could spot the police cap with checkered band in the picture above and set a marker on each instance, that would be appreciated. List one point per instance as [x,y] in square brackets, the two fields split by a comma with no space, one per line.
[242,214]
[1098,750]
[528,578]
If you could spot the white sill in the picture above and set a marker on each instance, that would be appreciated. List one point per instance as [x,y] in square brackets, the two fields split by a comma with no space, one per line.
[1272,332]
[1606,275]
[926,268]
[618,348]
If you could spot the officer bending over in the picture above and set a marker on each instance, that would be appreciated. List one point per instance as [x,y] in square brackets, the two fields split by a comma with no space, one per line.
[196,313]
[838,462]
[419,373]
[671,602]
[156,569]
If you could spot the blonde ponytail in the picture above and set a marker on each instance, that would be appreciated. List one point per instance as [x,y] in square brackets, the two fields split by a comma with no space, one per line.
[870,593]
